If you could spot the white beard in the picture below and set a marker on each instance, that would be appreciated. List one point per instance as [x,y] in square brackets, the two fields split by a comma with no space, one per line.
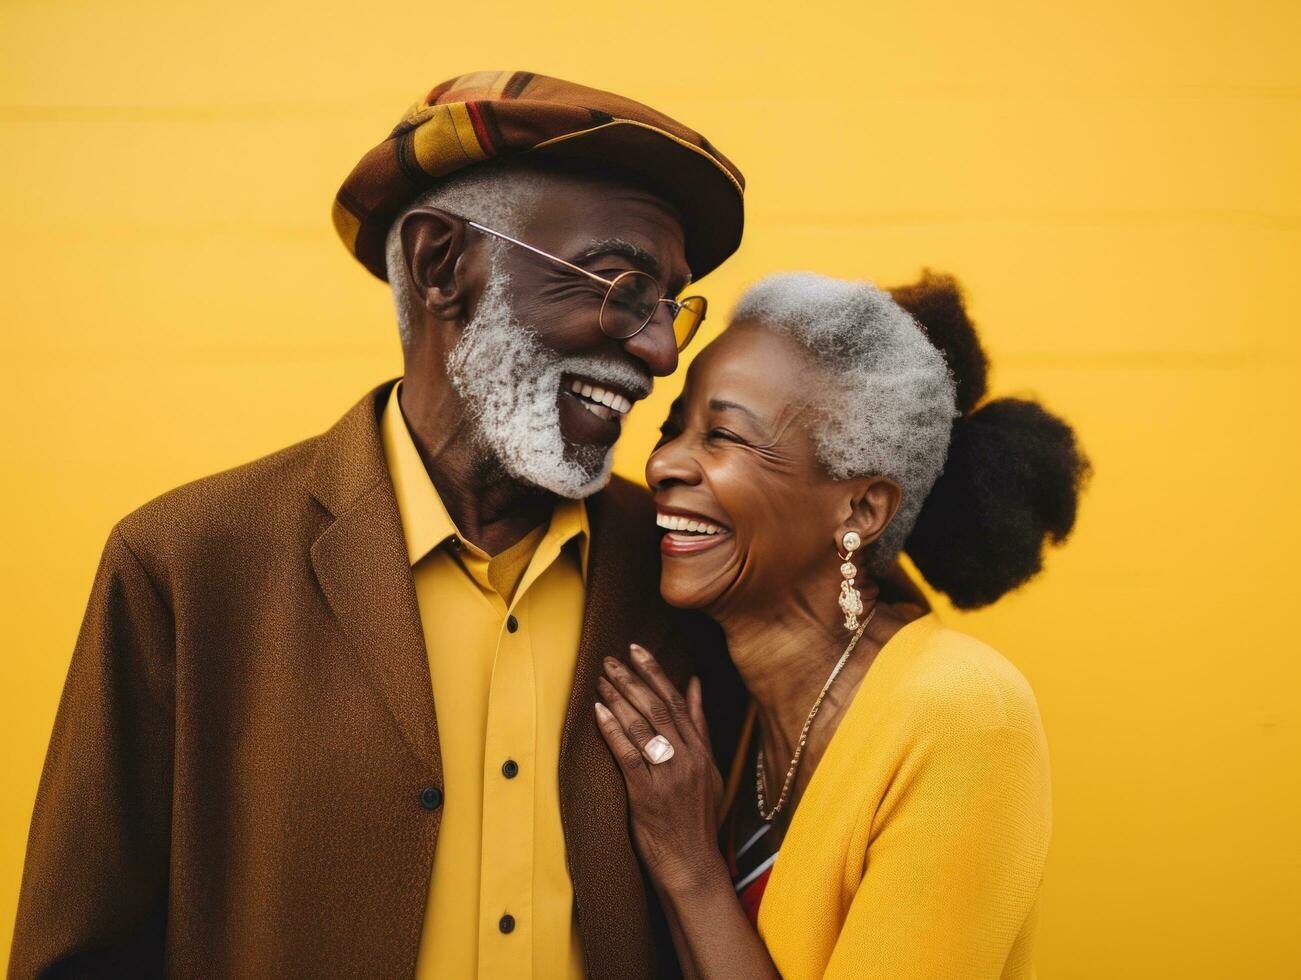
[510,383]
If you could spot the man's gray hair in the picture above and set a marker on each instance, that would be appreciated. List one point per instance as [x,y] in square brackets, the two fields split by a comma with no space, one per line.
[501,194]
[889,408]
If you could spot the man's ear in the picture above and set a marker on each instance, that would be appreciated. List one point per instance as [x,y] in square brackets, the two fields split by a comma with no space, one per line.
[433,243]
[873,503]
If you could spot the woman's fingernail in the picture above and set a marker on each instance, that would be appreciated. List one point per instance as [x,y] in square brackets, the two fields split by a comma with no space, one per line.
[640,652]
[602,711]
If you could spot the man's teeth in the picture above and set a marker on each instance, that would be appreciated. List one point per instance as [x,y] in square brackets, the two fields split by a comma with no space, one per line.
[695,525]
[593,396]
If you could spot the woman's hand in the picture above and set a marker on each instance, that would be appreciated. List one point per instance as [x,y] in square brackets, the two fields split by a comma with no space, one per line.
[674,803]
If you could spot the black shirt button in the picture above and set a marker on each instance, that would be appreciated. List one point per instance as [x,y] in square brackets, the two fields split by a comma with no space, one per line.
[507,923]
[431,797]
[512,624]
[510,768]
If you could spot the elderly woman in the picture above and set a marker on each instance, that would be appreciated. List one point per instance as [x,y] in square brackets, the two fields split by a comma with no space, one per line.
[897,818]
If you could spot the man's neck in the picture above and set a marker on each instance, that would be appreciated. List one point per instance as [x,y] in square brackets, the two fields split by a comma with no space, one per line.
[491,509]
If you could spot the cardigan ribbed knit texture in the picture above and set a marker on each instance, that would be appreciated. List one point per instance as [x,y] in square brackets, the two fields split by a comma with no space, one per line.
[918,848]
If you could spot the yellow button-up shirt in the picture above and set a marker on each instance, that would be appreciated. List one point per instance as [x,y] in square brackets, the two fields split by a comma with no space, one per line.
[502,634]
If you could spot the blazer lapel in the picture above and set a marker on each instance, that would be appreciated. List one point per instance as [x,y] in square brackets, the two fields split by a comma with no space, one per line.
[361,564]
[360,561]
[623,605]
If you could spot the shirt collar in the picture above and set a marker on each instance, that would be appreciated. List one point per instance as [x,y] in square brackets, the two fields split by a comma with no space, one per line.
[569,521]
[425,521]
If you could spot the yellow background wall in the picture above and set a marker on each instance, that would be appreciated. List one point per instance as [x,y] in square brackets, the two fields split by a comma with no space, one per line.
[1116,183]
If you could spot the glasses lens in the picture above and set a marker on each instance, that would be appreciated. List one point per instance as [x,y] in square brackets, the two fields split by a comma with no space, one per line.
[688,321]
[629,304]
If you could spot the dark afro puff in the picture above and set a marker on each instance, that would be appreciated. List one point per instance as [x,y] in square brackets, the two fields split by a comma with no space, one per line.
[1012,477]
[935,302]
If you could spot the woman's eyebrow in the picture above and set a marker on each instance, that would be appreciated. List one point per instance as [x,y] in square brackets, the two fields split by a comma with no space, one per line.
[722,404]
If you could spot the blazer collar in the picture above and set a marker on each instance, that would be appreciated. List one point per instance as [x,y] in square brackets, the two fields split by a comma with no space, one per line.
[350,454]
[360,561]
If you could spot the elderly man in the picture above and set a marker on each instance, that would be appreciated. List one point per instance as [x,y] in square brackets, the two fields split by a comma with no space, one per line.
[330,713]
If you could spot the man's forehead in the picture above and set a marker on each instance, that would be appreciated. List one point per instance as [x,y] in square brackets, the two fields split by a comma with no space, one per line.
[579,214]
[629,216]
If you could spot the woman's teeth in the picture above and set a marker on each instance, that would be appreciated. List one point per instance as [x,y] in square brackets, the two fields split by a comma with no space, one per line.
[600,401]
[693,525]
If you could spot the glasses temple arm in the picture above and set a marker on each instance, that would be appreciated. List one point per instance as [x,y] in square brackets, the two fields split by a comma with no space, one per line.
[538,251]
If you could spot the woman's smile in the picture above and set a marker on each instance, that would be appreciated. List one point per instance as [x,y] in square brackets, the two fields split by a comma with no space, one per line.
[688,533]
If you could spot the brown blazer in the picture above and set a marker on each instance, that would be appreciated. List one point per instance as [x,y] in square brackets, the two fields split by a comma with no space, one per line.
[236,782]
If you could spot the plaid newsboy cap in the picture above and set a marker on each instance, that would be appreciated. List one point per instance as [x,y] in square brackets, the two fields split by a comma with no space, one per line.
[494,114]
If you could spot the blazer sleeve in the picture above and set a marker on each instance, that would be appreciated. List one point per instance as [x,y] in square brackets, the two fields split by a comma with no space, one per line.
[954,864]
[94,891]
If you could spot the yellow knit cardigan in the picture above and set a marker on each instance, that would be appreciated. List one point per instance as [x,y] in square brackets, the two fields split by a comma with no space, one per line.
[917,850]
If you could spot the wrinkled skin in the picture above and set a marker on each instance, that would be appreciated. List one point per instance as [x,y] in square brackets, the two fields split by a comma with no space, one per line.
[738,453]
[449,267]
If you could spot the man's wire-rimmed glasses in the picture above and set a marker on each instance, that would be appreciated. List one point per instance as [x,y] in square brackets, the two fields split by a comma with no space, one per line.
[631,298]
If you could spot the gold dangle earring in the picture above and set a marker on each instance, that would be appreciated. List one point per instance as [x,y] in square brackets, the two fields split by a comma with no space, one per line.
[851,600]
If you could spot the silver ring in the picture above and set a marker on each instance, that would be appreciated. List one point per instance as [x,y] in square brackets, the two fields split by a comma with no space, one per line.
[657,750]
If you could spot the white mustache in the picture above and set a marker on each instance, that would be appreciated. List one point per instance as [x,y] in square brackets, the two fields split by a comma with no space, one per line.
[610,371]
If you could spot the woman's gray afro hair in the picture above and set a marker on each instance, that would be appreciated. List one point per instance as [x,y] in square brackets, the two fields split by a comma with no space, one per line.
[885,398]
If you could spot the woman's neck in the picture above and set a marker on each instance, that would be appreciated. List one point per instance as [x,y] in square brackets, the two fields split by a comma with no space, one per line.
[784,656]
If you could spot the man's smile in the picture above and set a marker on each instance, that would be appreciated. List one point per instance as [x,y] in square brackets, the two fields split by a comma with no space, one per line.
[603,401]
[591,411]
